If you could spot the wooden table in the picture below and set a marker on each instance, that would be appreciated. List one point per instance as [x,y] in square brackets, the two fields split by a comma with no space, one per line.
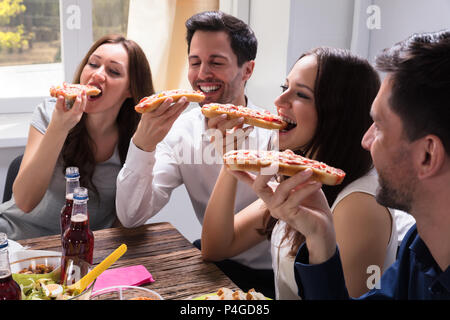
[175,264]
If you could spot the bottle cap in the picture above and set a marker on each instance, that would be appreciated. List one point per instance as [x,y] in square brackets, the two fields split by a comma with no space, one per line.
[72,172]
[3,240]
[80,193]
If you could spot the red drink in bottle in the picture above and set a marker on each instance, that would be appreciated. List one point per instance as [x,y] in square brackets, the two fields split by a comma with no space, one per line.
[72,182]
[9,289]
[78,239]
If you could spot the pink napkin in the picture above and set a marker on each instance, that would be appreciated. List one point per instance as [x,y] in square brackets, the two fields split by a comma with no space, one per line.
[126,276]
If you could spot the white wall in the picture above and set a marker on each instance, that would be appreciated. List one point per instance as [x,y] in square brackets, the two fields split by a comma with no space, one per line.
[401,18]
[316,23]
[270,21]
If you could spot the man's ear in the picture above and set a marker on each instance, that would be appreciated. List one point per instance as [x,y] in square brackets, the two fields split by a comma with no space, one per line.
[431,156]
[247,69]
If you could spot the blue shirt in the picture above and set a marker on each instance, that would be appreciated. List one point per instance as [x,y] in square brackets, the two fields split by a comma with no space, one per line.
[415,275]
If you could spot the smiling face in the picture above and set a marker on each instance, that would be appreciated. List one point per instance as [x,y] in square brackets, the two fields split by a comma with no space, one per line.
[213,68]
[391,153]
[107,69]
[297,106]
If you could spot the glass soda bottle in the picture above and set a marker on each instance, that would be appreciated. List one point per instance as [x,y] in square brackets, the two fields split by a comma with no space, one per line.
[9,289]
[72,182]
[78,239]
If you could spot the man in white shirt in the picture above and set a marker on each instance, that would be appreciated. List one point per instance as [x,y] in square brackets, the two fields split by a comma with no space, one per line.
[221,53]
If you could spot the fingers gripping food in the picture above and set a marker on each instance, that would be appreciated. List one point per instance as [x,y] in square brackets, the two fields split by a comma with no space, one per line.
[252,117]
[71,91]
[288,163]
[152,102]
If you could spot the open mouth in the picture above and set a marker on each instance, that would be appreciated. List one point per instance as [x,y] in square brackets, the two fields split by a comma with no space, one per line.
[291,124]
[209,88]
[91,98]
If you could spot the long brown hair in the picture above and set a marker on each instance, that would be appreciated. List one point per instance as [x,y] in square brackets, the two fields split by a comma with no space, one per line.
[78,149]
[345,88]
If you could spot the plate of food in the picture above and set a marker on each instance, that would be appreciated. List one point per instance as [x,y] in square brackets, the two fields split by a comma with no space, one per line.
[229,294]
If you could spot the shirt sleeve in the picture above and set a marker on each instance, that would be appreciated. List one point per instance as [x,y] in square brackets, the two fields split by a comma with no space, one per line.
[43,114]
[323,281]
[326,281]
[145,183]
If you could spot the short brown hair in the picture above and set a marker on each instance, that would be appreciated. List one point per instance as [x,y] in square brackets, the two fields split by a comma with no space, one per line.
[242,38]
[420,72]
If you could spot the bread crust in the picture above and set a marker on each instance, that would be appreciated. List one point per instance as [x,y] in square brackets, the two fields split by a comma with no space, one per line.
[148,104]
[248,119]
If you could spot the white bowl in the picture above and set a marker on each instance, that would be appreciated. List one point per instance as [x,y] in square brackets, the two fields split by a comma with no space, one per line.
[55,262]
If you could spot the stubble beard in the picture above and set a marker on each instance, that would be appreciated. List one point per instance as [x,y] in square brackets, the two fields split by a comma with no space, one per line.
[397,193]
[389,197]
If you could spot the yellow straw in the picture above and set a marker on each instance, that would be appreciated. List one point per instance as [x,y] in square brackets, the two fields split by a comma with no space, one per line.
[102,266]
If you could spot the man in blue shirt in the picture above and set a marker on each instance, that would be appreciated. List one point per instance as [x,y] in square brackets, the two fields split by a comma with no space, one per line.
[409,141]
[410,145]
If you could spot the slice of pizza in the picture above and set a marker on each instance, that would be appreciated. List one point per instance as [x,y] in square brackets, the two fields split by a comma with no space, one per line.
[148,104]
[285,163]
[70,91]
[251,116]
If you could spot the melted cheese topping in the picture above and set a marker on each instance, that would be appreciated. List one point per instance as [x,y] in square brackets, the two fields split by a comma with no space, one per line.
[241,111]
[288,157]
[169,93]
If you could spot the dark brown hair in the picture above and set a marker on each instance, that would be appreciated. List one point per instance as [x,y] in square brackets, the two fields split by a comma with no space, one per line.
[242,38]
[420,72]
[344,90]
[78,149]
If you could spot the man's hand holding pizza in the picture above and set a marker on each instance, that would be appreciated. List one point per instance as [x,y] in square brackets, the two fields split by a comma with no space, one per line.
[155,125]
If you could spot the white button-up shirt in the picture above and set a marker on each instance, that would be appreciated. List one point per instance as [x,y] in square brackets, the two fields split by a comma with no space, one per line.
[147,179]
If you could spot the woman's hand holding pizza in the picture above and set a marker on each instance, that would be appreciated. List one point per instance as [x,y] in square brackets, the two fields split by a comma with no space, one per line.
[155,125]
[63,119]
[299,202]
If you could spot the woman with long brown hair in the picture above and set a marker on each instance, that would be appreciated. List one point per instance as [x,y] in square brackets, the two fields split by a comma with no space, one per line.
[326,99]
[93,135]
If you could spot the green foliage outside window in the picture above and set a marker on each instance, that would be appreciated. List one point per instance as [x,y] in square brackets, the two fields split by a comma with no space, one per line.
[12,37]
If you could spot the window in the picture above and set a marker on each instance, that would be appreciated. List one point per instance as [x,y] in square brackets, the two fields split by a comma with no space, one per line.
[43,41]
[109,16]
[29,32]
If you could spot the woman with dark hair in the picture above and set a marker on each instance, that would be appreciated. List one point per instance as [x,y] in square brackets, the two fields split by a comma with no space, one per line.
[326,99]
[93,135]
